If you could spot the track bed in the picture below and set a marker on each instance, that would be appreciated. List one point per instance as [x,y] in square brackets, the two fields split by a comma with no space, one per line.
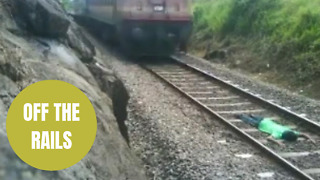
[224,101]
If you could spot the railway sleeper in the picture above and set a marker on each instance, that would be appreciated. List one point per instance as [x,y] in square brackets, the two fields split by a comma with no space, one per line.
[232,99]
[234,112]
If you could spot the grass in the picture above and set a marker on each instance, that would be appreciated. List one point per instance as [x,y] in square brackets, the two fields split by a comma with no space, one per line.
[283,33]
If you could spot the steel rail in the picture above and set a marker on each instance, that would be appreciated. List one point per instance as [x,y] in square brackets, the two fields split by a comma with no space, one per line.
[251,95]
[276,156]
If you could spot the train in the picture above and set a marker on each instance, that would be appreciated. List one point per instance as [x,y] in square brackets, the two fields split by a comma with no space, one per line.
[144,27]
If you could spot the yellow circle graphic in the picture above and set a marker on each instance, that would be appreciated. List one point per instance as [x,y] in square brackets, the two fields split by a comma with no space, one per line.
[51,125]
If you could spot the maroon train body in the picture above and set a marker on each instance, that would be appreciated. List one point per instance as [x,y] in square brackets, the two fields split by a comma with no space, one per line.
[145,27]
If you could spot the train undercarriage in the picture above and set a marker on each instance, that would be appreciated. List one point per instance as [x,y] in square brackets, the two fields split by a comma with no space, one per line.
[153,38]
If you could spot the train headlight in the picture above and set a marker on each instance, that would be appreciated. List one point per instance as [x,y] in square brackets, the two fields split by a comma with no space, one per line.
[158,8]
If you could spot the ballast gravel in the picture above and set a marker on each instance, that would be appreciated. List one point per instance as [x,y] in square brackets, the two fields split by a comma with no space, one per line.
[305,107]
[177,140]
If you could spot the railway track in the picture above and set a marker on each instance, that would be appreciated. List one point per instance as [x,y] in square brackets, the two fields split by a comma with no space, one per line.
[224,100]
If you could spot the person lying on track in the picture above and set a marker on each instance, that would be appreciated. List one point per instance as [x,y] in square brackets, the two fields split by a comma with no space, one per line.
[275,130]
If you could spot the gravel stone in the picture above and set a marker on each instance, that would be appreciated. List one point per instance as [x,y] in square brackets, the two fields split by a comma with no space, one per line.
[177,140]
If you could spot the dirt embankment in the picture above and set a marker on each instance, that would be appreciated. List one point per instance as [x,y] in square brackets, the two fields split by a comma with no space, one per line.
[38,41]
[276,41]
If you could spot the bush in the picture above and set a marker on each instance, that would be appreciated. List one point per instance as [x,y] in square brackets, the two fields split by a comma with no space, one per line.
[290,28]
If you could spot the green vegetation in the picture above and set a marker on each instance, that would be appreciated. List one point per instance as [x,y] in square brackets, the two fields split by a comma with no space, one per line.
[67,4]
[73,6]
[282,33]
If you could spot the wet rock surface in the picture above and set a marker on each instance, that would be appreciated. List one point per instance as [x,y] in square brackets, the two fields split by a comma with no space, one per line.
[25,59]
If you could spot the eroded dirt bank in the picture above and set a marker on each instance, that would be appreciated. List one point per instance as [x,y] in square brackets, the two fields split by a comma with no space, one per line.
[38,41]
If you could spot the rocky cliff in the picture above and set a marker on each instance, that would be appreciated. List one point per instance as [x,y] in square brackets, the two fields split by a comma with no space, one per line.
[38,41]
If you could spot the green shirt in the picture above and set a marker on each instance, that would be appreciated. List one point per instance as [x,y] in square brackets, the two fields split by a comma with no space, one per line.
[272,128]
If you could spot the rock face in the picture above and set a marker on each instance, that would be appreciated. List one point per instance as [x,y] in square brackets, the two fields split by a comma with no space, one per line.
[78,41]
[25,59]
[44,17]
[116,90]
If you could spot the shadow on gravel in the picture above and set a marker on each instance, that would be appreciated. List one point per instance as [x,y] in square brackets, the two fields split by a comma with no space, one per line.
[154,61]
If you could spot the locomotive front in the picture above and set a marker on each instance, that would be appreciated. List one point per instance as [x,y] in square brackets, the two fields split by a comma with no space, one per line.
[153,27]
